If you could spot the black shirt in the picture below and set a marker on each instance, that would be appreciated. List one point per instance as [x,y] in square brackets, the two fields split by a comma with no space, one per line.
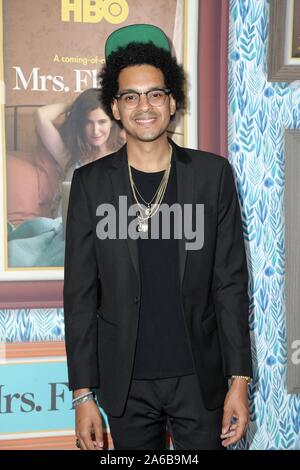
[162,345]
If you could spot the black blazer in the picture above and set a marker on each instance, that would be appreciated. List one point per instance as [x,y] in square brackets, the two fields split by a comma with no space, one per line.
[102,283]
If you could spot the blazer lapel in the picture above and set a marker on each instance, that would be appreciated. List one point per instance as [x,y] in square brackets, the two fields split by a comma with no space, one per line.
[185,195]
[185,191]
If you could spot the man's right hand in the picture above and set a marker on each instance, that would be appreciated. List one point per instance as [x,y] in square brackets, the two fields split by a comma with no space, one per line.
[89,428]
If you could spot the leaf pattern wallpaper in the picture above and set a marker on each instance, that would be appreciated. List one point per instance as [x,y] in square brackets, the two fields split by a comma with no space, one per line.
[258,114]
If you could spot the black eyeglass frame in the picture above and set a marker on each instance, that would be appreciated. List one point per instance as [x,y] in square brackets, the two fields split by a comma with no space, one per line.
[167,91]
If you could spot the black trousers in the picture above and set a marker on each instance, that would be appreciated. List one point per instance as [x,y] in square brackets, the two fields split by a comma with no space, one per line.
[174,403]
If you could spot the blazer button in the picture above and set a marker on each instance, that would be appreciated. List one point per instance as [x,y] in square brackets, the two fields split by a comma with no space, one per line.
[136,300]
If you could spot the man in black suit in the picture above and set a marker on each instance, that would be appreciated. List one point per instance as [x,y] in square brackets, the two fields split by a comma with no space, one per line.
[157,326]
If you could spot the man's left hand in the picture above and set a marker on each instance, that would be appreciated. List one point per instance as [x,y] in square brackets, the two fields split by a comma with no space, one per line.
[236,404]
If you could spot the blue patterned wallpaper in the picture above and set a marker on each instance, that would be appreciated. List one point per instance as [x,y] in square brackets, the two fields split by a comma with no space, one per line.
[32,325]
[258,114]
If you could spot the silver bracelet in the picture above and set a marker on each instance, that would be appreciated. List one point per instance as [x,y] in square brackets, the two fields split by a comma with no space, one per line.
[81,396]
[81,400]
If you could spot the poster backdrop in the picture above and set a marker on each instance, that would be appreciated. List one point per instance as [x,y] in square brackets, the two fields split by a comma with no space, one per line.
[52,53]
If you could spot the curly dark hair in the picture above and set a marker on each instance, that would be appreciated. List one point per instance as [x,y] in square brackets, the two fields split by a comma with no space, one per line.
[136,53]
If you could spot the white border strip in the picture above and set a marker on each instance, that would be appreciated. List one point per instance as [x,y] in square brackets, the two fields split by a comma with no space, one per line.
[288,59]
[192,70]
[34,360]
[30,435]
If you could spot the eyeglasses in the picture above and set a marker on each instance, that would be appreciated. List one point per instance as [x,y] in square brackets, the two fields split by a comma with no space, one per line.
[131,99]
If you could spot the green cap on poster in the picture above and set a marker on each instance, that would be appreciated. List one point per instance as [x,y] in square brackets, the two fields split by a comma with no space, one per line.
[142,33]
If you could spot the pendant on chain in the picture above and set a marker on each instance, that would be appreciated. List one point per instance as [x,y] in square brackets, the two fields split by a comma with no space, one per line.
[143,226]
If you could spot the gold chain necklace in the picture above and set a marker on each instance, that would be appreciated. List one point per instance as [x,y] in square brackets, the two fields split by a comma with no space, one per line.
[159,194]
